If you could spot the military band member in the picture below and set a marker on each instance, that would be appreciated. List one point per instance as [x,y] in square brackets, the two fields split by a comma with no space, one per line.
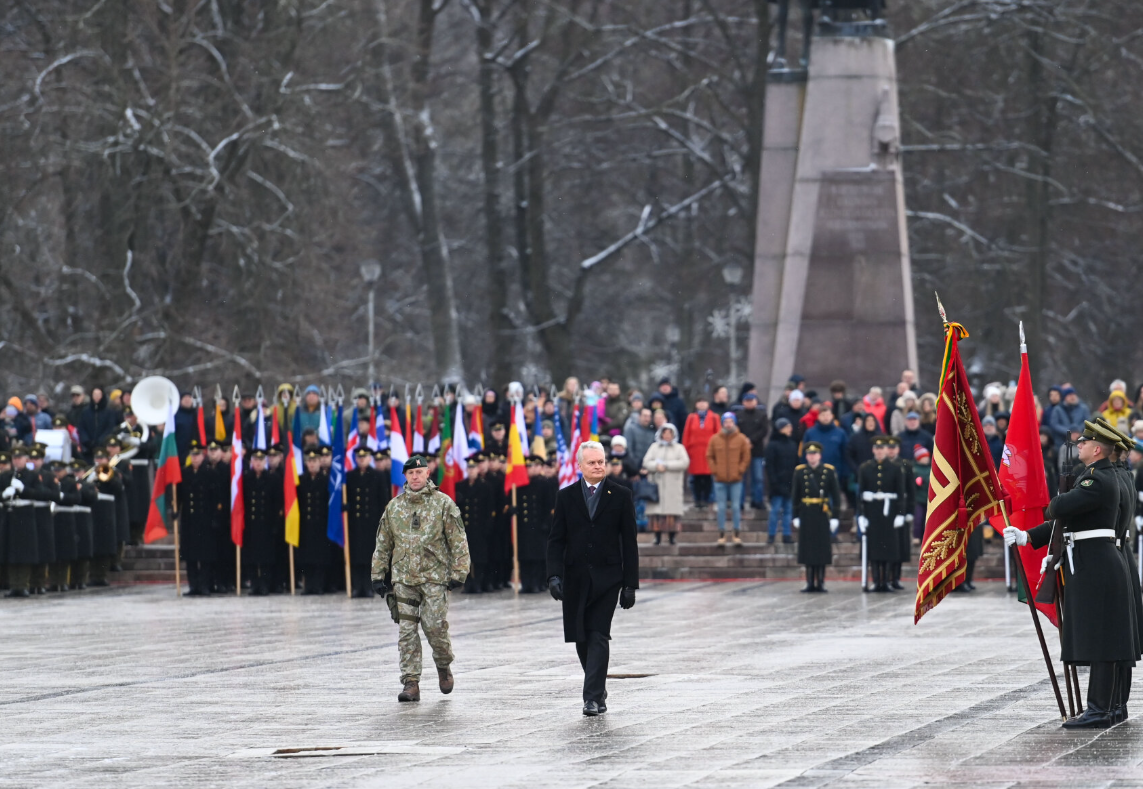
[19,485]
[817,496]
[880,494]
[5,468]
[1096,627]
[122,505]
[139,492]
[904,535]
[363,508]
[313,552]
[64,520]
[421,554]
[260,537]
[198,523]
[105,517]
[44,494]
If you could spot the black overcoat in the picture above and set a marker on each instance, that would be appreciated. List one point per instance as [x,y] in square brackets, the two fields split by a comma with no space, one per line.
[1127,499]
[905,534]
[197,524]
[313,507]
[475,502]
[595,557]
[363,509]
[261,534]
[533,520]
[1097,613]
[105,539]
[878,478]
[816,498]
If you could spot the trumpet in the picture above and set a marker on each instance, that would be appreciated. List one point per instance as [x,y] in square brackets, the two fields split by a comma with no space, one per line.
[103,473]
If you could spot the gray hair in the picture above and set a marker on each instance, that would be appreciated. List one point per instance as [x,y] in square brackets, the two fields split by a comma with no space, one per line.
[589,445]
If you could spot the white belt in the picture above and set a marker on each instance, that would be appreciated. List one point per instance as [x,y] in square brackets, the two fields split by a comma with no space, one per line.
[81,509]
[42,503]
[1072,537]
[140,462]
[880,495]
[105,497]
[20,503]
[66,509]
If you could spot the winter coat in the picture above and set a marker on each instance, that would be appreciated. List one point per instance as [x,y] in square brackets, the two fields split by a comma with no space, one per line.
[1067,417]
[786,411]
[755,425]
[1119,418]
[878,409]
[781,460]
[696,435]
[911,438]
[834,441]
[639,438]
[728,455]
[860,448]
[96,424]
[674,460]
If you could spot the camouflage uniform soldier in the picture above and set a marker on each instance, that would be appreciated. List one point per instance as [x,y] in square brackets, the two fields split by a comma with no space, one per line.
[421,554]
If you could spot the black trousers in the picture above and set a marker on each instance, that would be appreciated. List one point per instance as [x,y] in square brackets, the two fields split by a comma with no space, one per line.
[199,576]
[594,654]
[532,576]
[261,577]
[703,485]
[1123,685]
[1100,686]
[360,576]
[315,578]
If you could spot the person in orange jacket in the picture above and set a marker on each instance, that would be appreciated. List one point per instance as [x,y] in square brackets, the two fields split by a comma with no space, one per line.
[701,426]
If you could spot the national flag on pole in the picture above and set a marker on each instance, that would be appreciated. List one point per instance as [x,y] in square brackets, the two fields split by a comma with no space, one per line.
[323,427]
[569,472]
[398,453]
[219,424]
[1023,480]
[260,433]
[963,488]
[521,428]
[351,443]
[237,503]
[290,499]
[516,473]
[408,424]
[476,429]
[167,472]
[377,423]
[201,426]
[451,471]
[419,433]
[433,442]
[296,430]
[538,423]
[275,431]
[334,527]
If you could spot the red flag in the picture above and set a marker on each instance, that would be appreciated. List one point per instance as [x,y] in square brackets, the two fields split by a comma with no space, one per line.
[516,474]
[201,427]
[275,433]
[1023,480]
[237,502]
[963,488]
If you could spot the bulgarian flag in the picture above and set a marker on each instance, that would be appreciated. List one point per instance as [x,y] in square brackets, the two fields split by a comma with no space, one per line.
[167,472]
[516,474]
[963,488]
[1023,480]
[237,503]
[290,498]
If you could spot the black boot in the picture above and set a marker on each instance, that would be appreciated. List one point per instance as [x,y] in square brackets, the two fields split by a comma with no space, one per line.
[809,580]
[658,538]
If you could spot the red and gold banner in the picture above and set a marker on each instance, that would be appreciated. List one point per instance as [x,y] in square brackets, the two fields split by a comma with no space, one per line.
[963,488]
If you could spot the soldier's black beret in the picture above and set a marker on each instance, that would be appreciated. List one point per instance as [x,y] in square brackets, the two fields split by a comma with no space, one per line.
[416,461]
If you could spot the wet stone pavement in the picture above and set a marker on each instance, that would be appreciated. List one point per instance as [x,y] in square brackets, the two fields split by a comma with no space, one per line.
[746,685]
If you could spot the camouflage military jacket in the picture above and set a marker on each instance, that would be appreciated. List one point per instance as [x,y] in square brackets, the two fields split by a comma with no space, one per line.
[421,539]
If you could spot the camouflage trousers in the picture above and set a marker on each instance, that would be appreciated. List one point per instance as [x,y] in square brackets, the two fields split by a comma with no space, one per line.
[426,605]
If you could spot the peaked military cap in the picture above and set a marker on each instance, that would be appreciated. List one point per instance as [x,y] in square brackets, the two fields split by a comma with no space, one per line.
[258,453]
[19,451]
[275,449]
[472,463]
[5,457]
[326,450]
[59,421]
[1125,441]
[213,444]
[1094,431]
[416,461]
[813,446]
[195,445]
[99,452]
[76,465]
[881,441]
[313,452]
[114,442]
[35,453]
[363,450]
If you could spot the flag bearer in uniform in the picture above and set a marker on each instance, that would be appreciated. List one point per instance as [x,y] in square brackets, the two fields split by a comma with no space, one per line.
[817,497]
[880,494]
[905,533]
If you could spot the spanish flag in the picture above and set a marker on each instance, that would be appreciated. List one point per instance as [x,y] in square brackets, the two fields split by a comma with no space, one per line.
[516,475]
[293,516]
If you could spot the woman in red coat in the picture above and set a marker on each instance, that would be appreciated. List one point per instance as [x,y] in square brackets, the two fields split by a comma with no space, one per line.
[701,426]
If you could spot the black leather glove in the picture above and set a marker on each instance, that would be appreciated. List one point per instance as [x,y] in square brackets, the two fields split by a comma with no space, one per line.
[556,587]
[380,588]
[626,598]
[454,584]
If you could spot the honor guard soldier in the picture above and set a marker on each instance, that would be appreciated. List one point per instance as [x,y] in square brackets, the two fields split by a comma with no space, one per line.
[64,521]
[260,538]
[534,504]
[363,510]
[18,485]
[276,468]
[224,573]
[197,521]
[909,502]
[1096,627]
[313,507]
[421,555]
[880,494]
[139,491]
[5,469]
[104,515]
[475,501]
[817,496]
[44,494]
[84,527]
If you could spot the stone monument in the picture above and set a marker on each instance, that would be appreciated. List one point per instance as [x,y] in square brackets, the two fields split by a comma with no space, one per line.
[832,293]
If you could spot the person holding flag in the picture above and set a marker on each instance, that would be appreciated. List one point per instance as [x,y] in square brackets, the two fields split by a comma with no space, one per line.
[421,554]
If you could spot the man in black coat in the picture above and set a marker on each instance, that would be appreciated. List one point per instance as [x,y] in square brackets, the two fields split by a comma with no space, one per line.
[1096,628]
[880,498]
[477,510]
[593,562]
[781,459]
[197,522]
[363,509]
[313,506]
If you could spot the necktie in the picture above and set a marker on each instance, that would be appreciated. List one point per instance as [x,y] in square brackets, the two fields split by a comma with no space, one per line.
[591,490]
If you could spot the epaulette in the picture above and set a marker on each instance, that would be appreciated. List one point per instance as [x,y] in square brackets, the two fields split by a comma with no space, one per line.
[827,465]
[800,467]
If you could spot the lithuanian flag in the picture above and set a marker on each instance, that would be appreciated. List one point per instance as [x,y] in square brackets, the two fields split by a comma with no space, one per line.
[167,472]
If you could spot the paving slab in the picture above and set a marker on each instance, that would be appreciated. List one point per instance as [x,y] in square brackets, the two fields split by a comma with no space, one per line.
[747,684]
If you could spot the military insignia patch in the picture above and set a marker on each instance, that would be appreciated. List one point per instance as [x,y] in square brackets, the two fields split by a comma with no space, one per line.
[1086,483]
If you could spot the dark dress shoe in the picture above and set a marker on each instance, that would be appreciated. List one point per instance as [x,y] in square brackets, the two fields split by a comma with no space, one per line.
[971,586]
[602,707]
[962,589]
[1090,719]
[19,593]
[116,568]
[897,585]
[40,590]
[591,708]
[821,589]
[81,586]
[809,589]
[104,582]
[787,539]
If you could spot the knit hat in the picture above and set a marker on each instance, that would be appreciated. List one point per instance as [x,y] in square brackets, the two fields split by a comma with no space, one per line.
[729,416]
[988,420]
[16,402]
[781,422]
[920,453]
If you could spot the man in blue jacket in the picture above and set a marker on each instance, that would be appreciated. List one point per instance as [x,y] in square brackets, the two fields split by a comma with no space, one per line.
[1068,416]
[833,440]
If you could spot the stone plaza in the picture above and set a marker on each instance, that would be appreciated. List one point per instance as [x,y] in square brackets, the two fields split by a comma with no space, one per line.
[738,684]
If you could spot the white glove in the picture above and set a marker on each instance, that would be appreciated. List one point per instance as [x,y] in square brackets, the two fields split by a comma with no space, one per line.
[8,493]
[1139,521]
[899,521]
[1141,496]
[17,484]
[1013,536]
[834,524]
[797,523]
[909,518]
[30,465]
[1044,565]
[862,523]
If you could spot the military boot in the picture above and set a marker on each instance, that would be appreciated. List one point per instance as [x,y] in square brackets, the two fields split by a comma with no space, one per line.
[446,680]
[412,691]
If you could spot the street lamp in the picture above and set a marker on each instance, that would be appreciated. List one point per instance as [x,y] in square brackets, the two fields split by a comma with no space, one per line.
[370,272]
[732,276]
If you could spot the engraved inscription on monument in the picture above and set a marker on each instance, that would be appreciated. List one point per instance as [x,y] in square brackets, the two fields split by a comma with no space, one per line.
[854,304]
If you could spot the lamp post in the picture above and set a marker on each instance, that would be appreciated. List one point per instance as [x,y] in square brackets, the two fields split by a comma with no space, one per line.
[371,272]
[732,276]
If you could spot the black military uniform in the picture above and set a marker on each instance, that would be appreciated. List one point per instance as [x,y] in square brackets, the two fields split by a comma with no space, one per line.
[499,533]
[534,505]
[1096,626]
[45,493]
[19,486]
[817,496]
[260,538]
[105,519]
[198,523]
[905,535]
[880,495]
[224,571]
[313,506]
[84,528]
[64,519]
[363,511]
[122,504]
[142,481]
[477,509]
